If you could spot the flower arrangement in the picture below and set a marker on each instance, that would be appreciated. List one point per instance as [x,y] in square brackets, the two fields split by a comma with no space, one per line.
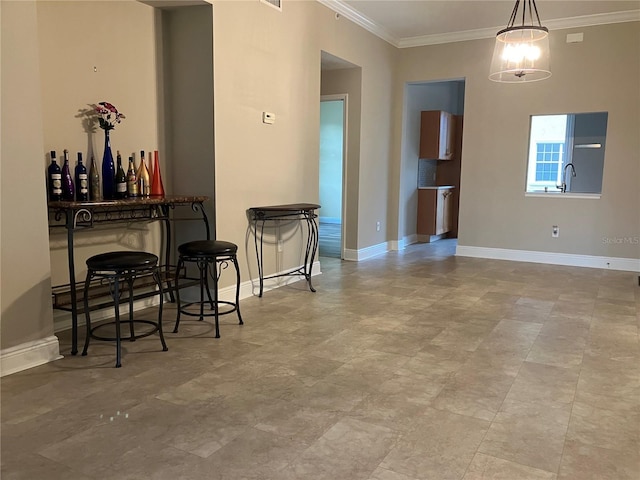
[108,115]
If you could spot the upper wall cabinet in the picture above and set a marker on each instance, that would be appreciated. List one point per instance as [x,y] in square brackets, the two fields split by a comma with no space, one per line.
[436,135]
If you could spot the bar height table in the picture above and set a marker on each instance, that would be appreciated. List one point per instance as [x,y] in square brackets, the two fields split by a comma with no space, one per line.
[75,216]
[303,212]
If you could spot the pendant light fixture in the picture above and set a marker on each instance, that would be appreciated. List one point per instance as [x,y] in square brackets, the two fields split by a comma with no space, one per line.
[521,53]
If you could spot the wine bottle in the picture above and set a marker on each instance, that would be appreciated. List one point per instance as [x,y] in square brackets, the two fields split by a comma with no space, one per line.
[108,170]
[67,182]
[121,178]
[82,182]
[132,180]
[144,180]
[94,181]
[55,179]
[157,188]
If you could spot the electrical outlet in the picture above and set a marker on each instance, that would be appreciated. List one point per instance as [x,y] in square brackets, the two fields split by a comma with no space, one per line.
[555,231]
[377,226]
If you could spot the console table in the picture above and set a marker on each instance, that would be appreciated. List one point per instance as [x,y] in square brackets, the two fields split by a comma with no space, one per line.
[76,216]
[303,212]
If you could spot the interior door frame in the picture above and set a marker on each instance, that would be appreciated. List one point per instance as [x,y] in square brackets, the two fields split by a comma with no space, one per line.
[345,121]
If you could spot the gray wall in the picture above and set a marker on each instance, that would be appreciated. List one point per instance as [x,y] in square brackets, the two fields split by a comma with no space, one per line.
[494,211]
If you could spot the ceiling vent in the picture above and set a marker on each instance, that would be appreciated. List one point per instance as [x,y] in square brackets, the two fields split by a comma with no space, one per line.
[277,4]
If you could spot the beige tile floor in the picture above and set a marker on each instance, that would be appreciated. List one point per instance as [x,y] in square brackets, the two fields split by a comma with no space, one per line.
[412,365]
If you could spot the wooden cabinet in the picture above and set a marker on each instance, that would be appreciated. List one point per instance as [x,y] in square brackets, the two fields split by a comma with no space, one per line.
[436,135]
[435,209]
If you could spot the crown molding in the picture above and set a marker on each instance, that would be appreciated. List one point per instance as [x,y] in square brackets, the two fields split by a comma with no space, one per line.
[356,17]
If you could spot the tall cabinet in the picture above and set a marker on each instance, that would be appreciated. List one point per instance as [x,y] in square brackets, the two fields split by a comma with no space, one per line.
[441,145]
[435,210]
[436,135]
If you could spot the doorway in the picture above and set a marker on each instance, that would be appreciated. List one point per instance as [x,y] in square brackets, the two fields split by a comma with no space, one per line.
[333,110]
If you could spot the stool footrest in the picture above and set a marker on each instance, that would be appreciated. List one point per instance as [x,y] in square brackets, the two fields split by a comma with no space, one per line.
[185,306]
[122,322]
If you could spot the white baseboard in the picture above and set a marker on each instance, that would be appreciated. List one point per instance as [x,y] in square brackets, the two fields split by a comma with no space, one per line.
[568,259]
[430,238]
[404,242]
[249,288]
[29,354]
[365,253]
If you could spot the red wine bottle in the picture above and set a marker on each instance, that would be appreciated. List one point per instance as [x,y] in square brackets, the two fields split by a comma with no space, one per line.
[82,181]
[55,179]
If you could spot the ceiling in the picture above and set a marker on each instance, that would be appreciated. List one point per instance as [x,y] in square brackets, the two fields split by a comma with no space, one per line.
[409,23]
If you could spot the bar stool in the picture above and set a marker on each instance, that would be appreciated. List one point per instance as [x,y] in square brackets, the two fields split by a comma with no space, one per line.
[116,267]
[208,254]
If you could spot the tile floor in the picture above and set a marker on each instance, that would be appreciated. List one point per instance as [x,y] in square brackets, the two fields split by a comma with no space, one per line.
[412,365]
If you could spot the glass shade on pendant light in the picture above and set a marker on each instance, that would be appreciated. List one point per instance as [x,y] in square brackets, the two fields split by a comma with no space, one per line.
[521,53]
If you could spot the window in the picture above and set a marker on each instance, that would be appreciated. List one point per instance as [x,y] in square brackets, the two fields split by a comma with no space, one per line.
[548,160]
[566,153]
[546,152]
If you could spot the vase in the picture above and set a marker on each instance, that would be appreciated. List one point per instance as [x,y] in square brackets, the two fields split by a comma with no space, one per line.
[108,170]
[157,189]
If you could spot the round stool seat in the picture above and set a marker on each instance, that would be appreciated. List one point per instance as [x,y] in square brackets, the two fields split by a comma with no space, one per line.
[124,260]
[112,269]
[207,248]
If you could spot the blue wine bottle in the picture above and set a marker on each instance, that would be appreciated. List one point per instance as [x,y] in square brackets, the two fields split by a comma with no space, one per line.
[82,181]
[55,179]
[108,170]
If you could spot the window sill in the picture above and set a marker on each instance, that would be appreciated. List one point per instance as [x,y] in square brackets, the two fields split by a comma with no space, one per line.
[591,196]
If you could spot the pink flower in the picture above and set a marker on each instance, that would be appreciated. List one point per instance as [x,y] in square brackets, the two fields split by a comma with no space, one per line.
[108,115]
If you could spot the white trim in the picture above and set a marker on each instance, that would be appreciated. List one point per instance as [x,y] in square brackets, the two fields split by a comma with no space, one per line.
[344,98]
[29,355]
[430,238]
[398,245]
[552,258]
[589,196]
[356,17]
[366,253]
[277,7]
[62,319]
[249,288]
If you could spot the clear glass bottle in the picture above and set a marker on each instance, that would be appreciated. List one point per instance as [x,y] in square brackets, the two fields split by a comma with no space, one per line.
[121,178]
[144,179]
[68,192]
[55,179]
[132,179]
[82,181]
[94,181]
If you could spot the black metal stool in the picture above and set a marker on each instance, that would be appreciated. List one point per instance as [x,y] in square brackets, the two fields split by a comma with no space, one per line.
[206,254]
[116,267]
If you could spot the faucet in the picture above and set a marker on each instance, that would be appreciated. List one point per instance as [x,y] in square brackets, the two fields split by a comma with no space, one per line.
[563,187]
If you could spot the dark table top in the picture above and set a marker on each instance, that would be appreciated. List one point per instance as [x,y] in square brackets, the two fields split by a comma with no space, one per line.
[291,207]
[153,200]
